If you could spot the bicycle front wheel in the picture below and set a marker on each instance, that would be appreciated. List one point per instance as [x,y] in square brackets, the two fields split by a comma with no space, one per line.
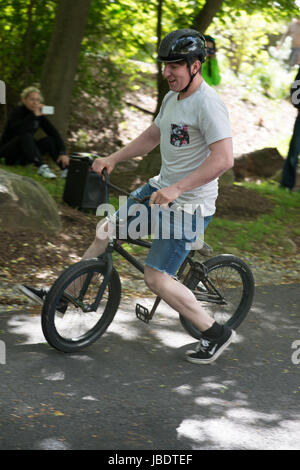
[80,305]
[225,291]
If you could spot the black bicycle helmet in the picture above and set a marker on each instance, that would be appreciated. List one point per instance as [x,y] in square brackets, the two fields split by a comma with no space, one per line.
[183,45]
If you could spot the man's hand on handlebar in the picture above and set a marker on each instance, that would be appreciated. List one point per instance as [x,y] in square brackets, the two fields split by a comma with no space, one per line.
[101,163]
[164,197]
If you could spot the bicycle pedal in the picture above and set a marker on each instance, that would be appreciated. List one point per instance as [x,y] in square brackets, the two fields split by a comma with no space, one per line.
[142,313]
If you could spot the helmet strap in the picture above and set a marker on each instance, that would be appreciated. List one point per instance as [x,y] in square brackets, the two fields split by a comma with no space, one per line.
[188,85]
[192,76]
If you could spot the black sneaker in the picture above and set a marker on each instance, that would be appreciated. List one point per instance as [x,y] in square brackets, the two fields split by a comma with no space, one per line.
[38,295]
[208,350]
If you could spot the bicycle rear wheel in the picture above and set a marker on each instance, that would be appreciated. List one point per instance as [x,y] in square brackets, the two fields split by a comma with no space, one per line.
[225,291]
[75,312]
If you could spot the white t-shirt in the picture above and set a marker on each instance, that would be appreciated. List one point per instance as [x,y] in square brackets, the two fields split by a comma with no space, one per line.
[187,128]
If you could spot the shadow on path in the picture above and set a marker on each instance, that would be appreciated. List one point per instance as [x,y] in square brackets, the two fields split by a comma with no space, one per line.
[134,390]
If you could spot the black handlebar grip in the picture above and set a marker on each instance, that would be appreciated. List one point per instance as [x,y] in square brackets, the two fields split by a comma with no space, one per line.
[105,174]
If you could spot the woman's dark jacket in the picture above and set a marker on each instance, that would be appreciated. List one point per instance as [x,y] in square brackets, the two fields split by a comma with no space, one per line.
[22,120]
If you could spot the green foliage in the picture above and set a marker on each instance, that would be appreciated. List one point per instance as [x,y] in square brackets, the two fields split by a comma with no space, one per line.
[243,38]
[24,38]
[121,32]
[274,9]
[116,31]
[246,46]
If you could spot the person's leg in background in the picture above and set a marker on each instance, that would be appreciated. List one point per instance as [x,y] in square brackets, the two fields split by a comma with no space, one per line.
[47,145]
[289,171]
[21,150]
[10,151]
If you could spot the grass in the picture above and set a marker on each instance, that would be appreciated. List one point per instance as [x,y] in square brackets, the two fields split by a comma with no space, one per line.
[55,187]
[264,236]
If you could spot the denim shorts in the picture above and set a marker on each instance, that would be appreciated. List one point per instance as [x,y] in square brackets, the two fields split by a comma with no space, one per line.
[172,230]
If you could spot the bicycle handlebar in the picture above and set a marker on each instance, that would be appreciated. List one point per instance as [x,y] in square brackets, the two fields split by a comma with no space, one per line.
[121,190]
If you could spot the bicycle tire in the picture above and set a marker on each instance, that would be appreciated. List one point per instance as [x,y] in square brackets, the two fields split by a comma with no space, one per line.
[234,280]
[85,326]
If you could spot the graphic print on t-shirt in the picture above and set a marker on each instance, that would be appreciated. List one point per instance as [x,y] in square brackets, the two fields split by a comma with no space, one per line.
[179,135]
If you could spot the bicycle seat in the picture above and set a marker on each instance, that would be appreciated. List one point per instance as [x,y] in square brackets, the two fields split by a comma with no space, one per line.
[202,248]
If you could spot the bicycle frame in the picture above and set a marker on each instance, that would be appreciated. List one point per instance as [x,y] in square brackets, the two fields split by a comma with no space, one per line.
[94,286]
[115,245]
[130,258]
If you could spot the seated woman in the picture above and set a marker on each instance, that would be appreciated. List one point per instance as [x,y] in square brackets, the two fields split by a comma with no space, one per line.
[18,145]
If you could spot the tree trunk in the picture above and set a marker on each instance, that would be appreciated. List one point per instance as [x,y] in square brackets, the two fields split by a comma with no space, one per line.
[162,85]
[28,41]
[204,17]
[62,58]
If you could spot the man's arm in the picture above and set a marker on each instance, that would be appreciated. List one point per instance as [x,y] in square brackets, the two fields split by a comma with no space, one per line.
[140,146]
[220,160]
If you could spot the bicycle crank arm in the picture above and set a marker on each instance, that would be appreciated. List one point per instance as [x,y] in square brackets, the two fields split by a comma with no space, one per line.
[212,299]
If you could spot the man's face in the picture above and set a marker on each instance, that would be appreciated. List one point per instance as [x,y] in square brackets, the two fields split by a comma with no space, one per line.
[177,74]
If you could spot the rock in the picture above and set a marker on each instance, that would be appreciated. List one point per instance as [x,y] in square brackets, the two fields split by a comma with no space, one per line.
[227,179]
[26,205]
[277,176]
[260,163]
[289,245]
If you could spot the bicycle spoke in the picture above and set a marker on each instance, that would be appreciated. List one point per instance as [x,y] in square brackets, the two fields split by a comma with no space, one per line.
[79,318]
[80,306]
[225,286]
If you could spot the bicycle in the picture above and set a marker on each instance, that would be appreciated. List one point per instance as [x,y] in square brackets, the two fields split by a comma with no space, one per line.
[83,301]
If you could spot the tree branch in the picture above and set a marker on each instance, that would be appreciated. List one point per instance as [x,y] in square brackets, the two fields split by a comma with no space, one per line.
[139,108]
[205,16]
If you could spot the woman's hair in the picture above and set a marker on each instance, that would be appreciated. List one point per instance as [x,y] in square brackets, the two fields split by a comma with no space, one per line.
[210,39]
[31,89]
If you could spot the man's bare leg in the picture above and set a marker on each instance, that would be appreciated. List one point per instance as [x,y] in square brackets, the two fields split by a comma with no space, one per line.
[178,296]
[96,248]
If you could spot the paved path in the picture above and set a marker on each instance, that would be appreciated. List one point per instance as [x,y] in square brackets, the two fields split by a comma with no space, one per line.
[133,389]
